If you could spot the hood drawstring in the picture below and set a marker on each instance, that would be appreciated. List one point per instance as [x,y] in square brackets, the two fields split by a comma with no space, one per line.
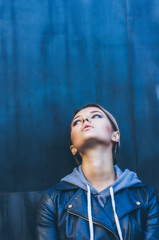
[115,214]
[90,213]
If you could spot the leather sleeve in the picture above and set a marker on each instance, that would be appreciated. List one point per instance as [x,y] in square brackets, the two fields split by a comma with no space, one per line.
[46,226]
[151,231]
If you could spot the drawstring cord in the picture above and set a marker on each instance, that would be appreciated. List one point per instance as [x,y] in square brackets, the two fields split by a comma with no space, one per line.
[90,213]
[115,214]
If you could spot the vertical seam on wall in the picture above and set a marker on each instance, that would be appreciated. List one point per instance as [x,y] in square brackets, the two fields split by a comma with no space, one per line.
[131,90]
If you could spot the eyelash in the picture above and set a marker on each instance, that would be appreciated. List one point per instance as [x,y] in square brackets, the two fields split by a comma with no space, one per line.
[75,122]
[100,116]
[93,116]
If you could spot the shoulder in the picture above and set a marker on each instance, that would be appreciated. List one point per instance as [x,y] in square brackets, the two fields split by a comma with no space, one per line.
[145,192]
[59,188]
[54,194]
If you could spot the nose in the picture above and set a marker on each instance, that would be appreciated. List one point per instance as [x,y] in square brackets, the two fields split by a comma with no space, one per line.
[85,118]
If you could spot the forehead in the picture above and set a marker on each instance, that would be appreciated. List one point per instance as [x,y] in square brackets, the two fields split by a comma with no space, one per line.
[88,110]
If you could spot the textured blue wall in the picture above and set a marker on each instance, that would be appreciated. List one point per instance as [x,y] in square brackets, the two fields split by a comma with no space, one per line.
[55,56]
[58,55]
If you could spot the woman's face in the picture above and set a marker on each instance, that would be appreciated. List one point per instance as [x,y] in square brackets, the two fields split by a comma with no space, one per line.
[90,126]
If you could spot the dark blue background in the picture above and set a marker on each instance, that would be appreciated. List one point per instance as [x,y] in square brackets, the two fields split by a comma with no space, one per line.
[55,56]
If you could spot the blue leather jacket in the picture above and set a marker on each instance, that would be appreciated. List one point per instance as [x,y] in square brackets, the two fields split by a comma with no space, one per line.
[63,214]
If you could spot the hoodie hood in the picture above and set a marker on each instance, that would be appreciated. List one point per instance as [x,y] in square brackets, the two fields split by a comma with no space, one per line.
[124,179]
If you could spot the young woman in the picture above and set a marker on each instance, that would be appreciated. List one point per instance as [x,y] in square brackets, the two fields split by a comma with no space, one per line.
[97,200]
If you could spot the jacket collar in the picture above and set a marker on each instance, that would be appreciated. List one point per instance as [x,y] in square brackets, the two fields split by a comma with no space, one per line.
[65,186]
[78,206]
[126,201]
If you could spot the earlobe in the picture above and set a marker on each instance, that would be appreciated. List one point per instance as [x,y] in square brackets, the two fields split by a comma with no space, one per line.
[73,150]
[116,136]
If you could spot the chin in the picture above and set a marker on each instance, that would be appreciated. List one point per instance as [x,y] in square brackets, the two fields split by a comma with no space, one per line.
[92,142]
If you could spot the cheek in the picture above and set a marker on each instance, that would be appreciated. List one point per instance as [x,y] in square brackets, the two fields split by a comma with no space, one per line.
[74,136]
[107,129]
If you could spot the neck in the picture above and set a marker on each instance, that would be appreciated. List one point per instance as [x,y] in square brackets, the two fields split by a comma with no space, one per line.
[97,166]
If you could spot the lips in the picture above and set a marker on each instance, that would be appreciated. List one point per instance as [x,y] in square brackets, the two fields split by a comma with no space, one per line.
[86,127]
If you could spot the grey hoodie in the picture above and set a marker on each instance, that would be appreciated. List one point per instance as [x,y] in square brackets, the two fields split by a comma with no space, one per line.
[125,179]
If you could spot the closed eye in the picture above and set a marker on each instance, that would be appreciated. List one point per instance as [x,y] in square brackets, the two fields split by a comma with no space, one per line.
[97,116]
[76,122]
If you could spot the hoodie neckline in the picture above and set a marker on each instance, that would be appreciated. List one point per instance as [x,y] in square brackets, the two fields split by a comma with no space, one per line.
[124,179]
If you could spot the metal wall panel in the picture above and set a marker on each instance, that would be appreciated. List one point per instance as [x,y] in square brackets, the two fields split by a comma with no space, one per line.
[143,23]
[17,215]
[58,55]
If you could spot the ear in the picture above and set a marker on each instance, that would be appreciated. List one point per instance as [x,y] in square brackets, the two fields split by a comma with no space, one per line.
[116,136]
[73,150]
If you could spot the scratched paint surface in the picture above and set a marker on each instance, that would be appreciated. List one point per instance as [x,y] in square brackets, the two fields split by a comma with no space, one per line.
[18,213]
[143,22]
[58,55]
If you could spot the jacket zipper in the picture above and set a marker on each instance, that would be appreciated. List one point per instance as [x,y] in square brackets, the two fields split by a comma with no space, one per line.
[94,223]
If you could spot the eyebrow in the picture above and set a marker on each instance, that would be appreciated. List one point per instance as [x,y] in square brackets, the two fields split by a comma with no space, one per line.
[90,112]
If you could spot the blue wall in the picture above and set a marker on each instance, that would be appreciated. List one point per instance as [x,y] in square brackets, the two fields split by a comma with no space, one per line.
[55,56]
[58,55]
